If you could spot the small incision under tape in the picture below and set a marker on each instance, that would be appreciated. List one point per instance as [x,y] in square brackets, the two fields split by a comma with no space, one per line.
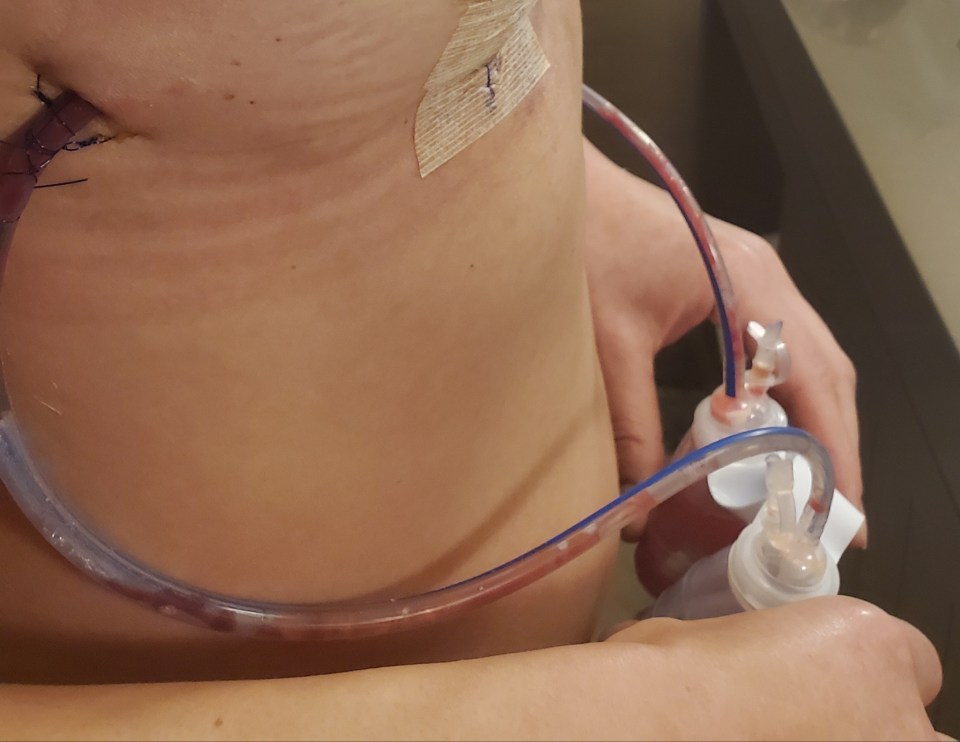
[489,65]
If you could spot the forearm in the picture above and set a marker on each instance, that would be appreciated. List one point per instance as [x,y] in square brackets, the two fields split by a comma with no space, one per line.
[864,675]
[547,694]
[399,703]
[601,691]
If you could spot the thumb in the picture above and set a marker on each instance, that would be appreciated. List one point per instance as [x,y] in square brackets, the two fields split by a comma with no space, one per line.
[637,431]
[634,410]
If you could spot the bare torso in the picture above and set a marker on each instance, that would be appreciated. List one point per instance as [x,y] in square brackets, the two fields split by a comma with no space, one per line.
[259,352]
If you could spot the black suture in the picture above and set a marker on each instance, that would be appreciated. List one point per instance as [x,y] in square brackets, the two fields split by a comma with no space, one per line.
[31,144]
[83,143]
[31,141]
[492,67]
[61,183]
[48,102]
[40,95]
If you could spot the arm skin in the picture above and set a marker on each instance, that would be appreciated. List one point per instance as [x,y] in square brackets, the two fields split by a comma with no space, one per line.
[648,287]
[863,675]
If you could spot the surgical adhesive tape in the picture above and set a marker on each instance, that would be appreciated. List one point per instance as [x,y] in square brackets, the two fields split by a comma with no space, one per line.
[491,63]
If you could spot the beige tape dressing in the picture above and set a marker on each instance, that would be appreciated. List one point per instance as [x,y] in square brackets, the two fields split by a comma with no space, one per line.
[492,61]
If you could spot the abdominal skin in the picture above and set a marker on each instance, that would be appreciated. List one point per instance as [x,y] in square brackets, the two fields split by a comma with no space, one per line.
[285,366]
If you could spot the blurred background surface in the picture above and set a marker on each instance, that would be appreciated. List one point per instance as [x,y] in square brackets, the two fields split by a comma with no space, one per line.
[833,127]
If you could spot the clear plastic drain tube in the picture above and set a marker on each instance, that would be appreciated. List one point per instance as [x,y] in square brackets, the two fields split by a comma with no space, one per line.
[692,525]
[731,329]
[122,572]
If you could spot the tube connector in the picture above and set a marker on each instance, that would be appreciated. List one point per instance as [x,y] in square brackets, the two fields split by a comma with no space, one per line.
[779,511]
[771,362]
[763,578]
[776,560]
[753,407]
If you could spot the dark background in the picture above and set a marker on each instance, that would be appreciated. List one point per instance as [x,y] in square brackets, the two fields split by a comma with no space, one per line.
[726,89]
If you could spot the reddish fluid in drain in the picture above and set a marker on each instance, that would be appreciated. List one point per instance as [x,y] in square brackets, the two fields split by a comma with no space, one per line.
[681,531]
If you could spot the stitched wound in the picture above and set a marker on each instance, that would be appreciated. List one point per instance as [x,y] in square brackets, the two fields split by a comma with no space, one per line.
[488,67]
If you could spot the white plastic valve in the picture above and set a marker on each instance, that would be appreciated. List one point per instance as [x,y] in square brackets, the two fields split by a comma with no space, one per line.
[771,362]
[772,562]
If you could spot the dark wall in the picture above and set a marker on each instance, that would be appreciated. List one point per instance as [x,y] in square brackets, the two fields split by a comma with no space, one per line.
[670,65]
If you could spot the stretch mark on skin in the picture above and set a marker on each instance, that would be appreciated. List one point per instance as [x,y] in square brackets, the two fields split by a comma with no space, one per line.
[49,406]
[491,63]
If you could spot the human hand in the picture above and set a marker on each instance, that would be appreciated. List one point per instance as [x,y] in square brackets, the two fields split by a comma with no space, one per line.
[648,287]
[826,668]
